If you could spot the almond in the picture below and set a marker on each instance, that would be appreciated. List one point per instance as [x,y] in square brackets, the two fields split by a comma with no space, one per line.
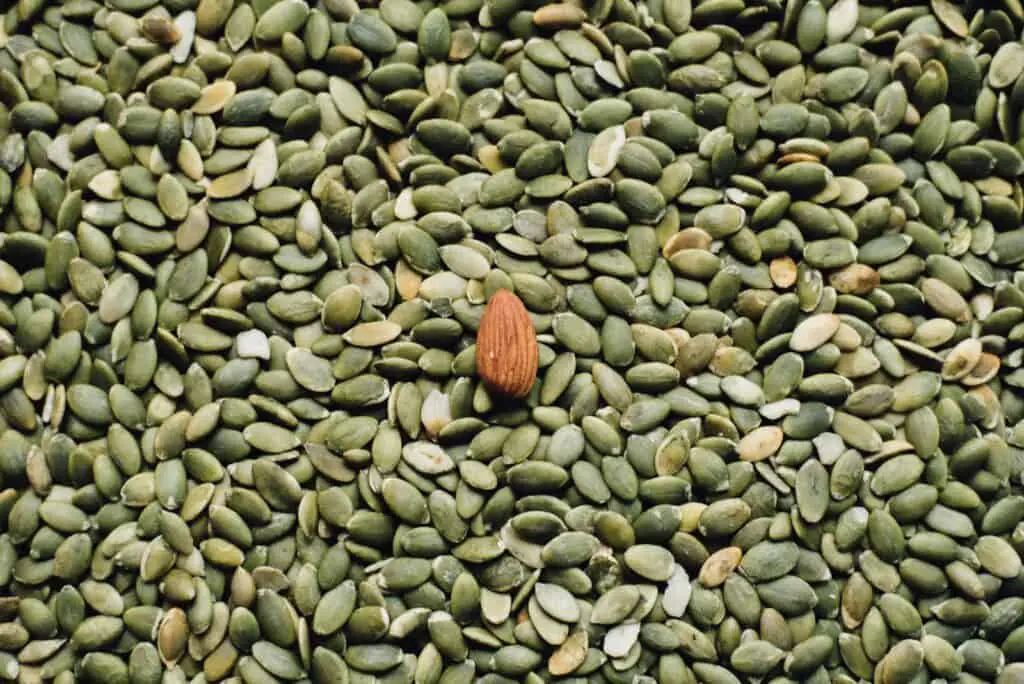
[506,346]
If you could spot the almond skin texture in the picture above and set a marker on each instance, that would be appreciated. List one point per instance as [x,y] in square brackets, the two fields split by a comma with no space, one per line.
[506,346]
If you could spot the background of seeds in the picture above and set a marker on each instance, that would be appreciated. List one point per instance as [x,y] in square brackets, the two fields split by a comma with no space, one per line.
[770,250]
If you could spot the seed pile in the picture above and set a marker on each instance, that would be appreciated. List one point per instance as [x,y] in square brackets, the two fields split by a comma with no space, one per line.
[771,252]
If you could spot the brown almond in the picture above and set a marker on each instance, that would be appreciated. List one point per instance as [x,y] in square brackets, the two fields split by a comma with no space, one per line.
[506,346]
